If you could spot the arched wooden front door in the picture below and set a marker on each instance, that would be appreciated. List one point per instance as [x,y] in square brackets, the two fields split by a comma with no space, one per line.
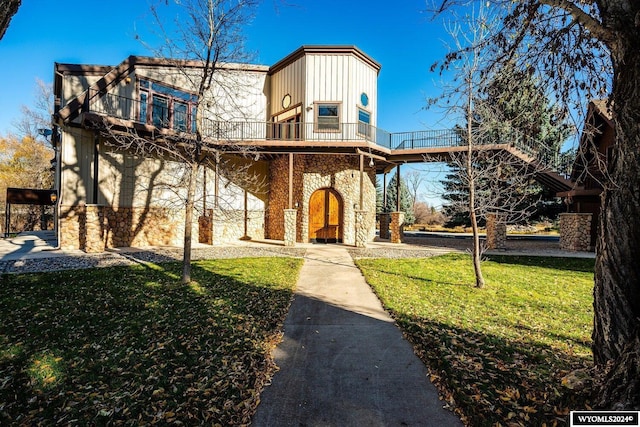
[325,216]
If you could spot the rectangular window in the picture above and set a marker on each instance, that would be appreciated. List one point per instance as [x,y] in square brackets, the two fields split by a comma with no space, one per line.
[166,107]
[364,122]
[180,116]
[160,111]
[328,117]
[143,107]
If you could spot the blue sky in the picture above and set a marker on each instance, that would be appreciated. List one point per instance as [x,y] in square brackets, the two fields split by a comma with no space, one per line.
[399,35]
[402,38]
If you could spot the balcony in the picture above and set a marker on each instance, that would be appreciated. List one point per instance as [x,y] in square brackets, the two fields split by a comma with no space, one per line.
[180,120]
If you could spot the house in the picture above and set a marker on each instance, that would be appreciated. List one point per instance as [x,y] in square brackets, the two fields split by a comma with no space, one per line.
[590,169]
[292,150]
[287,152]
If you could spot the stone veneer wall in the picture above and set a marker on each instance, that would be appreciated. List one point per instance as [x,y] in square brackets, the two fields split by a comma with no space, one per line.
[575,231]
[221,226]
[312,172]
[91,228]
[228,225]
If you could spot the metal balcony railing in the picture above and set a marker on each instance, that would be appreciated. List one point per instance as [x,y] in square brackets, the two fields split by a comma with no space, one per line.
[181,119]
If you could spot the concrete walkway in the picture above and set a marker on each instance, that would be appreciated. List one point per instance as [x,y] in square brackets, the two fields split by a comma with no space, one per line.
[343,362]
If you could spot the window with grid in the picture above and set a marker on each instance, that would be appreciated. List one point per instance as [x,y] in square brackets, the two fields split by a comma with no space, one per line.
[167,107]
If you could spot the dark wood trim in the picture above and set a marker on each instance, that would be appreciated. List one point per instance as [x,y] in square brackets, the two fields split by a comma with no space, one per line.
[290,180]
[398,189]
[361,205]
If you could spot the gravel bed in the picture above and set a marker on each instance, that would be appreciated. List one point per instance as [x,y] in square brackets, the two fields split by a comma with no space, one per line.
[419,248]
[157,255]
[396,253]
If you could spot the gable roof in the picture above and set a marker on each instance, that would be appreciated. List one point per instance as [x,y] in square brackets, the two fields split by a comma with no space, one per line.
[324,49]
[599,114]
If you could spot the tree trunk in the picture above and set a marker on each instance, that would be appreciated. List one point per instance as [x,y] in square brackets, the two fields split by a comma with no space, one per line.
[475,252]
[188,222]
[616,333]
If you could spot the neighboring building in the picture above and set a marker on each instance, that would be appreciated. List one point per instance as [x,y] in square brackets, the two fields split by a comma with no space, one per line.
[593,160]
[309,121]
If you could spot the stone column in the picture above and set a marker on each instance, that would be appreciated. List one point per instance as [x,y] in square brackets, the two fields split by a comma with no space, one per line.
[397,227]
[496,231]
[361,229]
[384,225]
[575,231]
[94,229]
[290,217]
[205,228]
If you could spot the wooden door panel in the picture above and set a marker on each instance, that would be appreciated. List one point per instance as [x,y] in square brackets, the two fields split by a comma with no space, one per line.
[325,216]
[316,214]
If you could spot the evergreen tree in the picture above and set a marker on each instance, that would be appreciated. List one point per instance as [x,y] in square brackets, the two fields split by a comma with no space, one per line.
[513,103]
[405,199]
[379,197]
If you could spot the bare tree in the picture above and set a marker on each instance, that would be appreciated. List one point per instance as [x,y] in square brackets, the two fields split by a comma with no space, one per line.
[8,8]
[205,46]
[589,49]
[414,180]
[36,118]
[460,100]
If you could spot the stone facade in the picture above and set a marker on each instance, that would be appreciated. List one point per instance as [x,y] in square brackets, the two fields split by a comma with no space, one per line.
[496,231]
[575,232]
[312,172]
[92,228]
[397,227]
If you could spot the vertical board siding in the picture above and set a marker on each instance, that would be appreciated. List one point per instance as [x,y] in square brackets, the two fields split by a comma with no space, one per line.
[342,78]
[290,80]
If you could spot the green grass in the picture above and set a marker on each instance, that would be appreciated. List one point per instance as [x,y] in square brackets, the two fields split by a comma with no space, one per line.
[131,346]
[498,353]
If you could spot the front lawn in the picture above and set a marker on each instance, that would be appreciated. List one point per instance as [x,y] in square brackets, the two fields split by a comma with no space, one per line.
[500,353]
[131,346]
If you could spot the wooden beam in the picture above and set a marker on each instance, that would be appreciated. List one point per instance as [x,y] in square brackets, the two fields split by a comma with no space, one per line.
[290,180]
[361,205]
[398,188]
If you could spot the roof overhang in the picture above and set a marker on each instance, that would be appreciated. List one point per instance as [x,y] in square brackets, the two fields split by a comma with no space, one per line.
[324,49]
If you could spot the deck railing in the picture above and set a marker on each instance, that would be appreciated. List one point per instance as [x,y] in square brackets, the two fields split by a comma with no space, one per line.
[245,130]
